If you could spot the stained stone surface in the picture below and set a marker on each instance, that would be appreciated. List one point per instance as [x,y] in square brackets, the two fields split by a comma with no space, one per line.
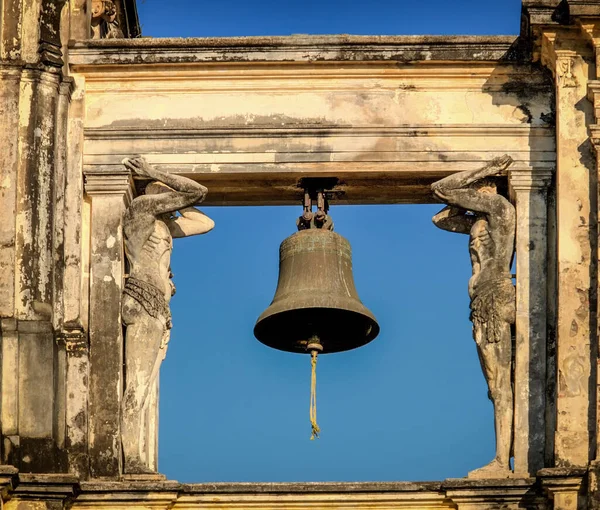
[249,117]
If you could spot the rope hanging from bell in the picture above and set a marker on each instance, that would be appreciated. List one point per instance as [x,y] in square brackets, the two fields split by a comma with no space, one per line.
[315,348]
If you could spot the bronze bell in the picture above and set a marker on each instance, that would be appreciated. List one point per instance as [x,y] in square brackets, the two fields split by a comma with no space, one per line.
[316,301]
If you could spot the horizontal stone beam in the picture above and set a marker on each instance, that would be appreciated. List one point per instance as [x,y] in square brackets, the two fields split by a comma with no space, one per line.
[297,48]
[249,117]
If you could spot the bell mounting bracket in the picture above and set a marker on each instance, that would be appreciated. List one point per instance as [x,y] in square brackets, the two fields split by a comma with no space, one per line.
[317,191]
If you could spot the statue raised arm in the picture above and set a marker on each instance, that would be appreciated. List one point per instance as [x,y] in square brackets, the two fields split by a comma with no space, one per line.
[476,208]
[165,211]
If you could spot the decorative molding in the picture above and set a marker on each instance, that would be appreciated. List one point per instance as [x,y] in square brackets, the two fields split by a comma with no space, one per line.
[8,481]
[417,130]
[595,136]
[560,61]
[594,96]
[73,338]
[527,178]
[55,487]
[66,87]
[558,481]
[113,182]
[565,63]
[293,48]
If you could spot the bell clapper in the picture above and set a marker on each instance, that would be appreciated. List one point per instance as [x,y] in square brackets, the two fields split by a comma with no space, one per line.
[315,347]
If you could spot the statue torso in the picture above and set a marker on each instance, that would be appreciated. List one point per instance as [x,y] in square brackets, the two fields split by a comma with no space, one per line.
[491,254]
[151,262]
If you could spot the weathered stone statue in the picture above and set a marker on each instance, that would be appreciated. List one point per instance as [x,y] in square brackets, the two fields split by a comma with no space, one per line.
[104,20]
[476,208]
[149,226]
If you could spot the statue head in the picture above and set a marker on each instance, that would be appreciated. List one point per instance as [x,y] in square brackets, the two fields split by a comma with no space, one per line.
[488,185]
[156,188]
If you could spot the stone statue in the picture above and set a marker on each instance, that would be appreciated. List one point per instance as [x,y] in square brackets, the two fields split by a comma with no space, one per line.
[476,208]
[149,226]
[104,20]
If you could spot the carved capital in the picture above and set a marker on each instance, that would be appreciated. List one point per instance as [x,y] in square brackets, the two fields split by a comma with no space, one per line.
[558,482]
[67,86]
[527,178]
[112,182]
[594,96]
[595,137]
[565,62]
[561,52]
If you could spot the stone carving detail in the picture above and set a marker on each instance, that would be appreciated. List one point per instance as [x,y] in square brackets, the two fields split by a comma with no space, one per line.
[150,223]
[564,70]
[104,20]
[476,208]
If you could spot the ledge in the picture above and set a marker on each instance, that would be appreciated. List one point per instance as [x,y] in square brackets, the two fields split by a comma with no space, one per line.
[295,48]
[311,487]
[486,494]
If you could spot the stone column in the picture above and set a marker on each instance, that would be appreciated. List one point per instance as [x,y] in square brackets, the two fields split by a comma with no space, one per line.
[60,164]
[75,294]
[110,194]
[10,77]
[76,347]
[568,57]
[34,248]
[529,186]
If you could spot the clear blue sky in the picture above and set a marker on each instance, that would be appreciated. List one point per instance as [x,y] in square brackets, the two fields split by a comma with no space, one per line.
[412,405]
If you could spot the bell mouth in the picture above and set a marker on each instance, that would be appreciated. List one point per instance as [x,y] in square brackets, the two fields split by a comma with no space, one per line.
[338,329]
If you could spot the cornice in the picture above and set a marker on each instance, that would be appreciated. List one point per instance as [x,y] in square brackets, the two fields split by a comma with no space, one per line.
[339,48]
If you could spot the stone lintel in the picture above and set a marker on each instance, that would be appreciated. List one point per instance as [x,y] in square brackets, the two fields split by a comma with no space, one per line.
[295,48]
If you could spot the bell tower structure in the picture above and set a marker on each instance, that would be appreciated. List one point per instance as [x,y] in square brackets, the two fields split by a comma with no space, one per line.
[82,93]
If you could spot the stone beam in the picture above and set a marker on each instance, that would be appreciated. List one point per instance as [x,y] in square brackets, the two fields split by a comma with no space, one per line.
[320,48]
[249,117]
